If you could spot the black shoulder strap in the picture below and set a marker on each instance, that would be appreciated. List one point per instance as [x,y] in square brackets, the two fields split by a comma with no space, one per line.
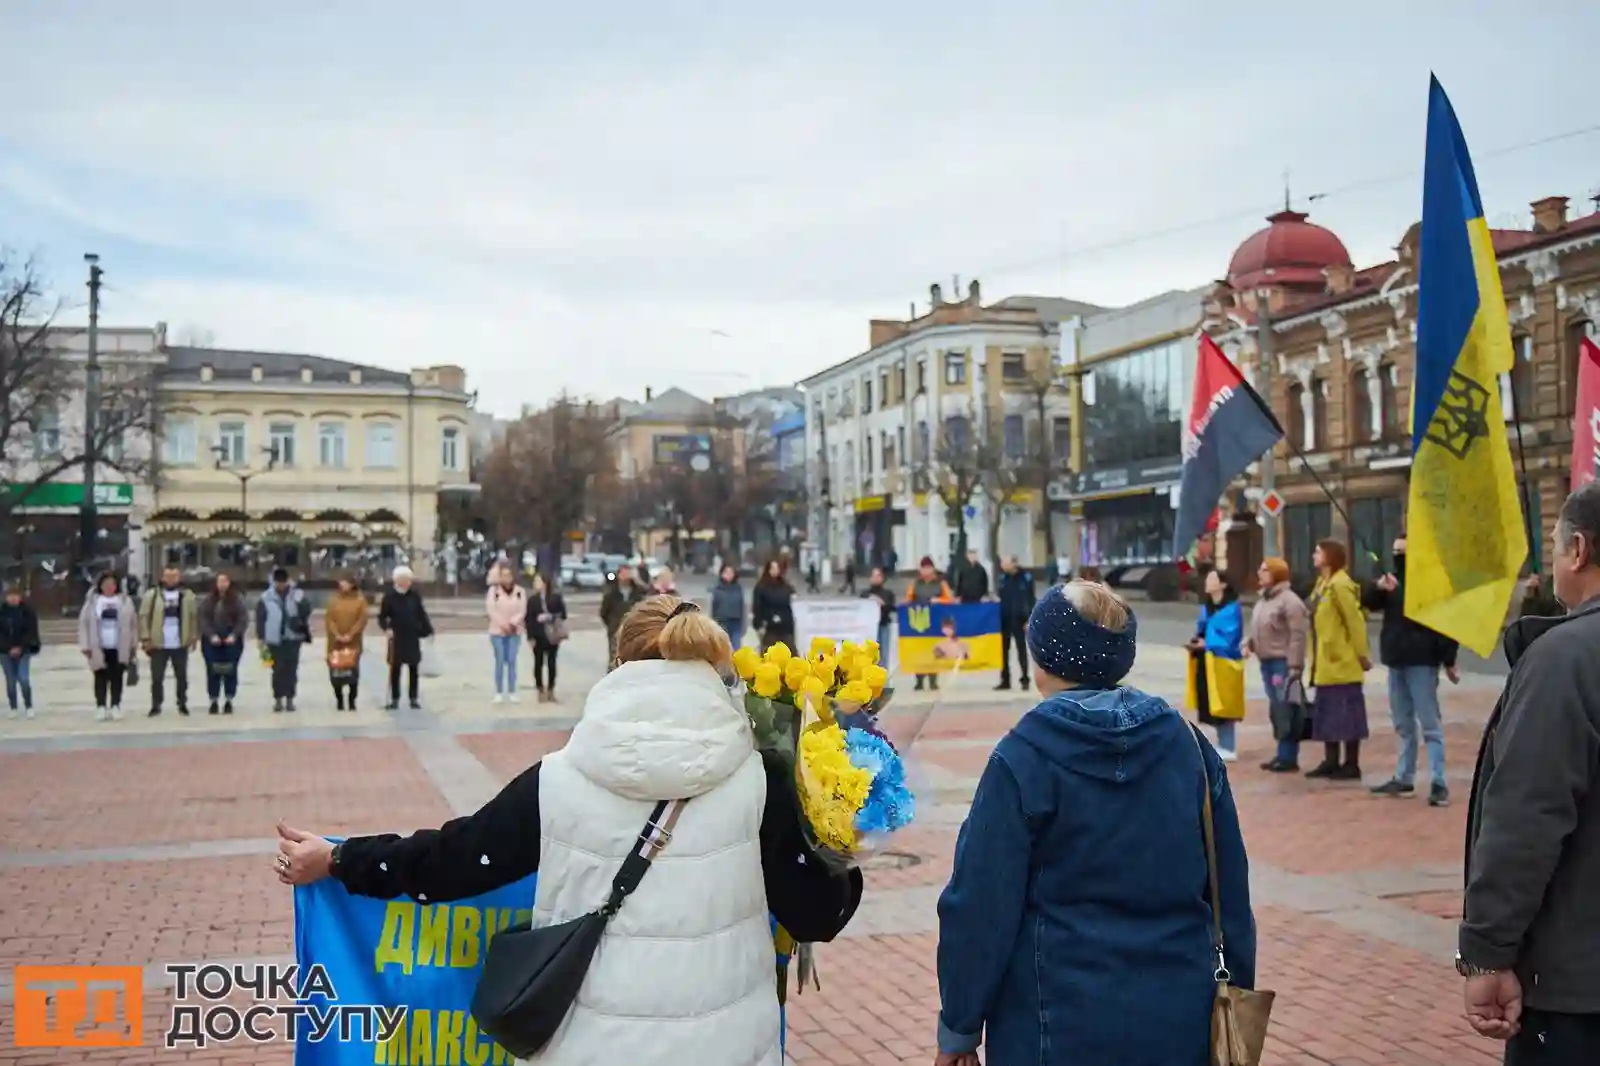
[655,836]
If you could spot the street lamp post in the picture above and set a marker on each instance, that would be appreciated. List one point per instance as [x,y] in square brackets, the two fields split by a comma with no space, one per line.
[244,477]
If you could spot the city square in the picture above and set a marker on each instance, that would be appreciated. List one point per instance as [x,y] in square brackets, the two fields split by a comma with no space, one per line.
[148,841]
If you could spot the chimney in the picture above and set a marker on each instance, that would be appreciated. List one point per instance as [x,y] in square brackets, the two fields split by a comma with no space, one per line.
[1341,278]
[935,295]
[1549,214]
[649,394]
[973,293]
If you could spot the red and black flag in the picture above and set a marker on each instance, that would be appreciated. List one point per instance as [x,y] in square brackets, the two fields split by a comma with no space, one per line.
[1229,428]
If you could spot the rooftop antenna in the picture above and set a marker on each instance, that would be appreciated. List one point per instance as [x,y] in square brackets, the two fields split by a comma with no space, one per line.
[1594,198]
[1287,202]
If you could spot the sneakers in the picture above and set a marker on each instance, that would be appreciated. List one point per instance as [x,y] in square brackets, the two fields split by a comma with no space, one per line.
[1439,796]
[28,713]
[498,698]
[12,713]
[101,714]
[1395,788]
[514,698]
[1227,756]
[116,712]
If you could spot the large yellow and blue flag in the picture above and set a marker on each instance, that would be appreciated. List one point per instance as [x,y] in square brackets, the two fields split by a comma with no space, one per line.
[1465,542]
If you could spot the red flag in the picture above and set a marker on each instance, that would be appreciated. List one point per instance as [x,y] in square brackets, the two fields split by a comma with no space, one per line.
[1586,417]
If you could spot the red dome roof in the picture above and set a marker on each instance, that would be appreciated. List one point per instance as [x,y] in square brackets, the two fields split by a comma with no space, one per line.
[1290,251]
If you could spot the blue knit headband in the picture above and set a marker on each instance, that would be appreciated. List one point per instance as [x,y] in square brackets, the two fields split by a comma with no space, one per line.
[1069,646]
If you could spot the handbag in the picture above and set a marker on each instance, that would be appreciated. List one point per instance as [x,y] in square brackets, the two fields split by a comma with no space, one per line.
[531,977]
[1291,716]
[132,679]
[1239,1016]
[556,631]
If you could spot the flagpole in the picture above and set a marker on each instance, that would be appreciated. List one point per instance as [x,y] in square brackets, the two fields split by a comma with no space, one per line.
[1337,506]
[1522,463]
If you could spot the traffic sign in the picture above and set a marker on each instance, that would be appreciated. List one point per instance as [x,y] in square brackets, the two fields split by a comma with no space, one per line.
[1272,503]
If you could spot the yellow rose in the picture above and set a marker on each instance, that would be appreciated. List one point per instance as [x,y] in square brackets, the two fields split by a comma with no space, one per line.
[768,680]
[822,646]
[849,656]
[825,669]
[745,661]
[779,653]
[870,650]
[795,671]
[876,678]
[814,691]
[855,692]
[856,669]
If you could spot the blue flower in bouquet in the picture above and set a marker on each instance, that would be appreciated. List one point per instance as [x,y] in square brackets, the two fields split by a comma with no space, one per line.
[890,804]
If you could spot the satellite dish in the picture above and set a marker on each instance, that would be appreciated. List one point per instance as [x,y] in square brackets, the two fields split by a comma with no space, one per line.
[700,463]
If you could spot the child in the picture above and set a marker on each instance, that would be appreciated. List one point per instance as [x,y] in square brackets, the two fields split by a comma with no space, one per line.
[950,649]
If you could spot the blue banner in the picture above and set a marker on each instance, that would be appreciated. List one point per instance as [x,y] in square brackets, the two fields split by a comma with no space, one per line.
[425,957]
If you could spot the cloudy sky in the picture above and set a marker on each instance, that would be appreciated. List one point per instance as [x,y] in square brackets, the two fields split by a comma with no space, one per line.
[601,197]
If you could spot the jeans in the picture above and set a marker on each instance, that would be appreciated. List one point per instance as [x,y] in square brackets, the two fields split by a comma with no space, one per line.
[159,658]
[505,662]
[16,671]
[885,635]
[1275,679]
[1413,702]
[222,669]
[1227,735]
[734,627]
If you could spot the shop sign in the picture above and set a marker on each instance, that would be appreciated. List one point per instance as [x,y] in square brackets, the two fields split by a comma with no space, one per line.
[66,494]
[1109,479]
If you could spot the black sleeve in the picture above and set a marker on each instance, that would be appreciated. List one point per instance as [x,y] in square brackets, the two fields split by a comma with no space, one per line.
[530,616]
[465,857]
[385,613]
[813,903]
[1373,598]
[559,606]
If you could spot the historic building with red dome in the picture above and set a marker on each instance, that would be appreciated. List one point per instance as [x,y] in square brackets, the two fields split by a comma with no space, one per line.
[1341,368]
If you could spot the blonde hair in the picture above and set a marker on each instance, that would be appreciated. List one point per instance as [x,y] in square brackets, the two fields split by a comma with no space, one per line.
[1098,604]
[662,575]
[654,629]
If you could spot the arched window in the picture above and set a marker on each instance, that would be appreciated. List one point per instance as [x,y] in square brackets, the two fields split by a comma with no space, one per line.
[1295,424]
[1391,409]
[1318,437]
[1577,330]
[1519,382]
[1358,429]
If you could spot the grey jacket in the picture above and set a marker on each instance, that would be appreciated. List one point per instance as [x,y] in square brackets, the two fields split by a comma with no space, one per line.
[727,602]
[283,619]
[1533,823]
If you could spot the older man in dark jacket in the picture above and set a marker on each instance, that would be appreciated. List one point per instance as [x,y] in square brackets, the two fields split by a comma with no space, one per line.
[1016,604]
[1531,917]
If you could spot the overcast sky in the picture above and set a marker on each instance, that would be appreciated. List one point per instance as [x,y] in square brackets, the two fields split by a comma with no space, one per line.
[601,197]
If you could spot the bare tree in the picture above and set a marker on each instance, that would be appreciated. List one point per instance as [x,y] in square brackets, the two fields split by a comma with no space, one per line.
[551,473]
[42,384]
[1005,472]
[955,472]
[1044,461]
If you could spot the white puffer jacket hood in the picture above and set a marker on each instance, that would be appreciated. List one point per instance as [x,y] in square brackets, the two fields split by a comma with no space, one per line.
[654,730]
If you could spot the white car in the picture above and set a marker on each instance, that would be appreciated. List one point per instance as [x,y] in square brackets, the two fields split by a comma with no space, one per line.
[588,576]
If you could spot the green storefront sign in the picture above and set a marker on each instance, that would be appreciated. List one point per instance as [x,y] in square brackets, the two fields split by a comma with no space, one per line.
[65,494]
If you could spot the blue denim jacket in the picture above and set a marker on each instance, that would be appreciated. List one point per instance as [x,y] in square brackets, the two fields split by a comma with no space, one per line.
[1075,927]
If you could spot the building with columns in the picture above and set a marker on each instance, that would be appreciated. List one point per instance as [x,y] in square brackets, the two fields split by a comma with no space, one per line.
[873,422]
[1340,371]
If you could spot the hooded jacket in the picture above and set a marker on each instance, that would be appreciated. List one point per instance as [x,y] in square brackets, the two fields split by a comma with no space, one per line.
[684,972]
[1076,925]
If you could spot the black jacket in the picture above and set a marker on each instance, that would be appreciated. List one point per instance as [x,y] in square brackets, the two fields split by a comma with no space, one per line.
[1533,821]
[1016,596]
[615,604]
[1401,641]
[772,607]
[971,584]
[500,844]
[19,628]
[549,602]
[405,619]
[885,597]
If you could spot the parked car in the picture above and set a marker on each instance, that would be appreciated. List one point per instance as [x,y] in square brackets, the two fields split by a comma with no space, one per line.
[587,576]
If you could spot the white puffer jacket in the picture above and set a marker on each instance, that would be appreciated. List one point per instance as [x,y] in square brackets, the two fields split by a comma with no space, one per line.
[684,973]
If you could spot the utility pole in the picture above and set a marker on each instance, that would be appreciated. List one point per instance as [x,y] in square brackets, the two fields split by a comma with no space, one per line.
[827,491]
[88,526]
[1269,471]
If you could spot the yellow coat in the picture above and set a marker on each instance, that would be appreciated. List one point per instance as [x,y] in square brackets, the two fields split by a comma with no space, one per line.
[1339,632]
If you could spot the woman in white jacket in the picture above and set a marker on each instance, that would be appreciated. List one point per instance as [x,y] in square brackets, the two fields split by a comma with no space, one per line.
[685,972]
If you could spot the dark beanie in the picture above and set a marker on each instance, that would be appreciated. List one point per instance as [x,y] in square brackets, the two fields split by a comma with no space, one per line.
[1067,645]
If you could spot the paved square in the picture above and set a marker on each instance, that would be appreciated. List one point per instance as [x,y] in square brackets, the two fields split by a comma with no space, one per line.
[148,840]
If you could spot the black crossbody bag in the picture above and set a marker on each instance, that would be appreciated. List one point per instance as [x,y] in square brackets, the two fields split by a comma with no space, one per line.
[531,977]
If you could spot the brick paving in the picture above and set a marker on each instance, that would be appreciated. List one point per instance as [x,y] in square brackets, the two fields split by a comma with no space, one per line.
[134,848]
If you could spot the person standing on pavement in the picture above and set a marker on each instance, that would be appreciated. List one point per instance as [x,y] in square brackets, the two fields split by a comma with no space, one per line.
[1531,915]
[344,622]
[878,589]
[224,623]
[546,625]
[108,636]
[1216,656]
[1016,604]
[928,587]
[971,579]
[19,643]
[403,616]
[848,586]
[727,605]
[283,624]
[1414,655]
[1279,626]
[507,607]
[1339,662]
[813,580]
[615,603]
[772,607]
[169,626]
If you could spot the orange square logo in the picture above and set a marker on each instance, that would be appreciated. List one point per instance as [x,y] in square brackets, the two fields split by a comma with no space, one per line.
[79,1006]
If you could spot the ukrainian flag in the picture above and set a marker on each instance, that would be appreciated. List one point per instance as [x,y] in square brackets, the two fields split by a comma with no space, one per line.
[1464,538]
[928,645]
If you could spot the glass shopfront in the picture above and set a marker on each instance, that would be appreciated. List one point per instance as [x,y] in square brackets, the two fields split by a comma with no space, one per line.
[1134,530]
[1136,404]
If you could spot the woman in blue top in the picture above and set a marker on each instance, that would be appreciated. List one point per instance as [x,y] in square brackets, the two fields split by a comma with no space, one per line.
[1076,926]
[1217,663]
